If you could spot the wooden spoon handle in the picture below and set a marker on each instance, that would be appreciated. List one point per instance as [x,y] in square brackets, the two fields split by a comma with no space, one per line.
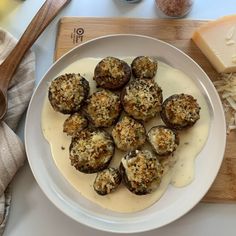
[41,20]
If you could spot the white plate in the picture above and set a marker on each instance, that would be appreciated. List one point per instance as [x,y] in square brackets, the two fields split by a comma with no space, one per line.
[176,201]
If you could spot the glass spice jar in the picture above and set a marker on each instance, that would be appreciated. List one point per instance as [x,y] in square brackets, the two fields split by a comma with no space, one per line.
[174,8]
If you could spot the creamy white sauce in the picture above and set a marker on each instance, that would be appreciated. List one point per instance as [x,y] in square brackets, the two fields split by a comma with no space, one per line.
[192,140]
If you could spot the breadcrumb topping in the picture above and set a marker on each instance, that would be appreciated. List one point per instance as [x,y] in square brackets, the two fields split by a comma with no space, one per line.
[128,134]
[107,181]
[92,148]
[143,170]
[112,73]
[182,109]
[74,124]
[142,99]
[112,67]
[144,67]
[103,108]
[67,92]
[163,140]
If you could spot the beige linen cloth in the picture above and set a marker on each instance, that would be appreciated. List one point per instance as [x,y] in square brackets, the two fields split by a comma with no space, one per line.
[12,152]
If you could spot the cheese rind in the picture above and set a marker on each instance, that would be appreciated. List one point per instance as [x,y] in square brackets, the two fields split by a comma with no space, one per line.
[215,41]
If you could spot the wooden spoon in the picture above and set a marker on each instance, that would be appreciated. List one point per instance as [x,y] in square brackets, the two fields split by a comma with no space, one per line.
[7,69]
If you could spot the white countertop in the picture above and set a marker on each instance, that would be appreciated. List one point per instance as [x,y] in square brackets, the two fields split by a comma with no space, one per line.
[31,212]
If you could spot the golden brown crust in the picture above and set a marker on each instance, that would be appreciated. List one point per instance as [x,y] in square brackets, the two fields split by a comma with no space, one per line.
[91,151]
[142,99]
[128,134]
[180,111]
[68,92]
[144,67]
[112,73]
[74,124]
[163,140]
[103,108]
[107,181]
[141,172]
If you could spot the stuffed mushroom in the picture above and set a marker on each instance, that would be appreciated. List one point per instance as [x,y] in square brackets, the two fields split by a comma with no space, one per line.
[68,92]
[103,108]
[107,181]
[141,172]
[180,111]
[144,67]
[74,124]
[91,151]
[142,99]
[112,73]
[163,140]
[128,134]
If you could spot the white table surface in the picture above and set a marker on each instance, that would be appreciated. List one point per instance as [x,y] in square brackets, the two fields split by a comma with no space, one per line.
[31,212]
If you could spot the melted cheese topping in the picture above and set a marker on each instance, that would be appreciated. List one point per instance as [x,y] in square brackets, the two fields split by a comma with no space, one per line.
[122,200]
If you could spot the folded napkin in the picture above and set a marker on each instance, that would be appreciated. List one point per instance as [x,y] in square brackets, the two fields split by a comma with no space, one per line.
[12,153]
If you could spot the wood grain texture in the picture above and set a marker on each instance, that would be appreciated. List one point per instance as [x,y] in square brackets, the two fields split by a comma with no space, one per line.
[72,31]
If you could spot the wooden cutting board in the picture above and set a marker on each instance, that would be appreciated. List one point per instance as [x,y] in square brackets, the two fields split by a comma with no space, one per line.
[73,31]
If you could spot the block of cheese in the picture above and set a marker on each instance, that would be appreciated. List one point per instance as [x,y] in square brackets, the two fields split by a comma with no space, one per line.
[217,41]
